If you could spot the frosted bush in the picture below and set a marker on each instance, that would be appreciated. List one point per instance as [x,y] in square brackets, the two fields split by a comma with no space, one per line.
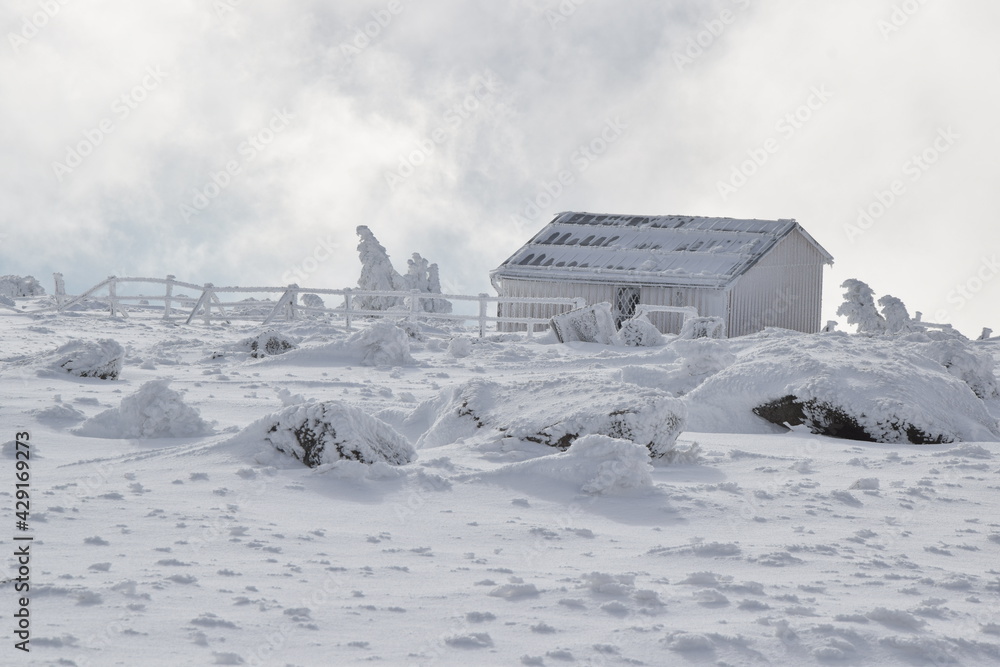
[971,366]
[638,332]
[155,411]
[460,347]
[703,327]
[312,301]
[377,274]
[381,344]
[97,359]
[897,319]
[267,344]
[20,286]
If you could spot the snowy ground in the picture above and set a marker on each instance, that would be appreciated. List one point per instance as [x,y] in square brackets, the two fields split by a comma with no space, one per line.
[785,549]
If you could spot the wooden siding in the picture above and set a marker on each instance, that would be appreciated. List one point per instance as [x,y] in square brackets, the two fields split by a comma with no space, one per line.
[784,289]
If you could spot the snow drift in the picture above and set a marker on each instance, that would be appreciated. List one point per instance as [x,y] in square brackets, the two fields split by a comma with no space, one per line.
[859,387]
[594,464]
[381,344]
[553,412]
[328,431]
[155,411]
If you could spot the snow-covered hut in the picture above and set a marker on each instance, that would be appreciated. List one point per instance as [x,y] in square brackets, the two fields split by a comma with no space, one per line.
[751,273]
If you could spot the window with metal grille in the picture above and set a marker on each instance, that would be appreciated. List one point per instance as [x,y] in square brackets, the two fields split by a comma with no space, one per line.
[626,299]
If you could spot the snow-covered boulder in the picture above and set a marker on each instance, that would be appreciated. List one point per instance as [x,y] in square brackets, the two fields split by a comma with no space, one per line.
[638,332]
[266,344]
[592,324]
[328,431]
[703,327]
[876,389]
[90,359]
[553,412]
[155,411]
[381,344]
[20,286]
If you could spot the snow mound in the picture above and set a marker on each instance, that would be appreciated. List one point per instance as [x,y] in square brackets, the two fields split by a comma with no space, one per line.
[696,361]
[460,347]
[88,359]
[324,432]
[267,343]
[381,344]
[554,412]
[638,332]
[20,286]
[312,301]
[593,324]
[60,412]
[847,386]
[596,464]
[155,411]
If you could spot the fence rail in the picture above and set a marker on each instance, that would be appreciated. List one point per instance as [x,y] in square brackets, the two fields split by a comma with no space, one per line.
[207,305]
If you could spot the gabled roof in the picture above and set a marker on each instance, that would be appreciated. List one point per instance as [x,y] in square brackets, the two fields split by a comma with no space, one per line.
[665,250]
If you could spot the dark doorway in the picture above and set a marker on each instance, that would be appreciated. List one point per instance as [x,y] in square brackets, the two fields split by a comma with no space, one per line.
[626,299]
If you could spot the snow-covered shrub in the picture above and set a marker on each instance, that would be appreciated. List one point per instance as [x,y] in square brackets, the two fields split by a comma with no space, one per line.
[638,332]
[155,411]
[377,274]
[880,389]
[591,324]
[969,365]
[381,344]
[460,347]
[312,301]
[328,431]
[859,307]
[703,327]
[91,359]
[897,319]
[554,412]
[20,286]
[267,343]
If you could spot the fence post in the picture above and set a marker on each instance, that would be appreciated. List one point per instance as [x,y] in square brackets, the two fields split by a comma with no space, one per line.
[112,294]
[60,289]
[414,300]
[347,307]
[207,298]
[167,295]
[482,314]
[292,306]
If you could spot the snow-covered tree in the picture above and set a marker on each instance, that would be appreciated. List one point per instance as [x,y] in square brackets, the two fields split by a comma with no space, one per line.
[434,287]
[423,277]
[377,273]
[897,319]
[859,307]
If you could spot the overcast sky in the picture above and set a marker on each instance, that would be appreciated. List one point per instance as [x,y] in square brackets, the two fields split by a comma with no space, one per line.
[225,141]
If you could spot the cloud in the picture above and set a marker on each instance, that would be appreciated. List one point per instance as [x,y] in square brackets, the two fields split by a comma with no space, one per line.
[380,88]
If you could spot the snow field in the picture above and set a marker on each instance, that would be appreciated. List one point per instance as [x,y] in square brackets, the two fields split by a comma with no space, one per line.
[488,548]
